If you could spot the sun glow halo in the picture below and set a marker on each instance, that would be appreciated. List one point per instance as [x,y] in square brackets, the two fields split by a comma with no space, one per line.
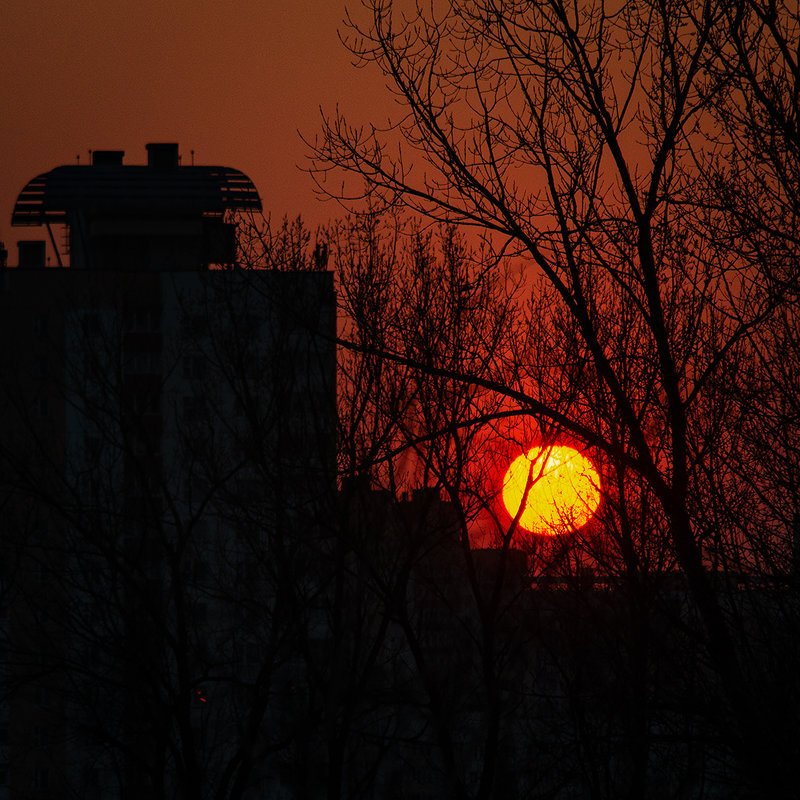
[563,489]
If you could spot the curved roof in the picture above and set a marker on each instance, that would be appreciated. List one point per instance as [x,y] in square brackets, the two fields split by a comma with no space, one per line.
[52,196]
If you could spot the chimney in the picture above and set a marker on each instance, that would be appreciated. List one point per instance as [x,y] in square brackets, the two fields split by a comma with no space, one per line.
[107,158]
[163,155]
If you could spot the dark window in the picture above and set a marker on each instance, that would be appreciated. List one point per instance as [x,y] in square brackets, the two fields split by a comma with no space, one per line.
[41,778]
[193,407]
[143,319]
[91,323]
[195,325]
[194,367]
[93,446]
[40,324]
[39,736]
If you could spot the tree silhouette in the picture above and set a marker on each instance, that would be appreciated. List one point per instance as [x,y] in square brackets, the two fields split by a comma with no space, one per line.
[642,162]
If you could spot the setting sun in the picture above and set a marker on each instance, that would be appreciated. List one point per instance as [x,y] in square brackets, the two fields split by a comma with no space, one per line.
[559,487]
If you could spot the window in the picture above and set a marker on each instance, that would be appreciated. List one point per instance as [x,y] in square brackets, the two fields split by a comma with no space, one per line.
[92,447]
[254,653]
[200,571]
[40,325]
[91,323]
[193,407]
[194,367]
[146,403]
[195,326]
[145,363]
[41,778]
[91,777]
[143,319]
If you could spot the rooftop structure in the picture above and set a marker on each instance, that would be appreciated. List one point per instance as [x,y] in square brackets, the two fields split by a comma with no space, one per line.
[161,215]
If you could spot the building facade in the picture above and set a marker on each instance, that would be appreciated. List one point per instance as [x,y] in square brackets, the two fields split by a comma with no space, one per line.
[166,461]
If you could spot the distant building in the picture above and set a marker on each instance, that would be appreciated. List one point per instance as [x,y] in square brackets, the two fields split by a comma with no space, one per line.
[166,437]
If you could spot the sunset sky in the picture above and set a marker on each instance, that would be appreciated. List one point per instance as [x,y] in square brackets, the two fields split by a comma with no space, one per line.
[233,81]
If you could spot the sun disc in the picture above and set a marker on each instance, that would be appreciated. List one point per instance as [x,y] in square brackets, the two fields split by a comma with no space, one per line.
[552,489]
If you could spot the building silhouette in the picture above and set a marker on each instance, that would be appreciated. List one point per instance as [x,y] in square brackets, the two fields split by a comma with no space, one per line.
[167,424]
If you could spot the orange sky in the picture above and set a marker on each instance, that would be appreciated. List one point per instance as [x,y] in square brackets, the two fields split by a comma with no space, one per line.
[233,81]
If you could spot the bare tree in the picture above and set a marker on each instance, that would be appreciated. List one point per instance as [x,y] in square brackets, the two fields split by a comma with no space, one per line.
[578,139]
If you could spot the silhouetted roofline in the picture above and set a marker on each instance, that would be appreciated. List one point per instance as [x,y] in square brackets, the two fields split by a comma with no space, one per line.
[52,196]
